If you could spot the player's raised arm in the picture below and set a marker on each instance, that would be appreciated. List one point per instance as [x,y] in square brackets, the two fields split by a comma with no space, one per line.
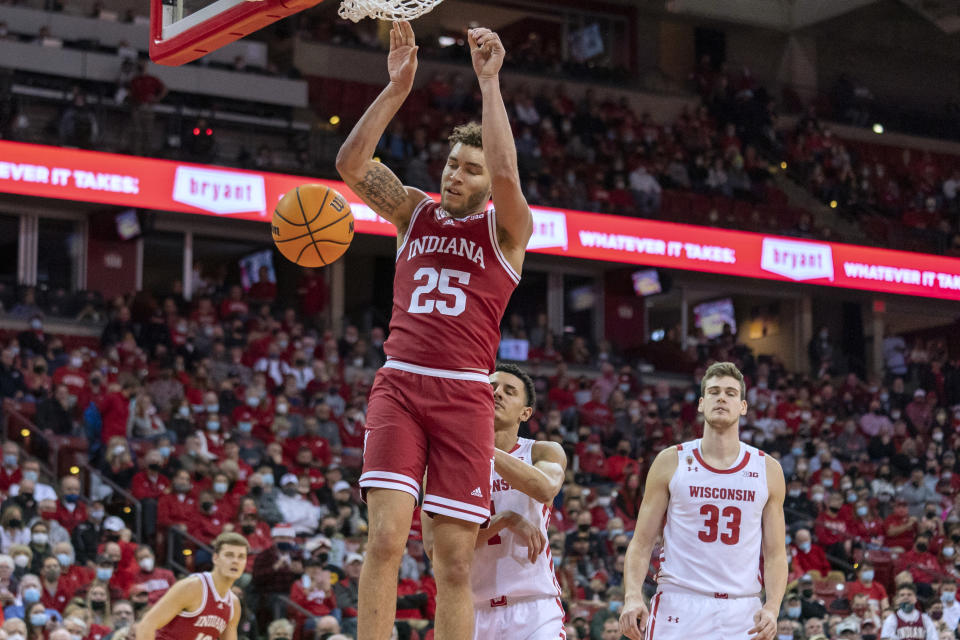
[185,595]
[514,221]
[633,618]
[543,479]
[377,185]
[774,553]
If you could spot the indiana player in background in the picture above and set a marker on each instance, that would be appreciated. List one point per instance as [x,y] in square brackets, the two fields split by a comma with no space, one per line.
[201,606]
[515,591]
[431,404]
[723,502]
[907,621]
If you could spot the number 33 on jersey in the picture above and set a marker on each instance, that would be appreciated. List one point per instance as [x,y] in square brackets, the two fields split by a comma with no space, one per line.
[451,286]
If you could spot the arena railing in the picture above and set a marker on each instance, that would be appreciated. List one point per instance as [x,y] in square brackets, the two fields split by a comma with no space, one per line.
[182,550]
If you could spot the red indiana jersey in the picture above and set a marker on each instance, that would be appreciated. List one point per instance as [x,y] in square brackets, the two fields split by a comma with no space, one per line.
[450,289]
[207,622]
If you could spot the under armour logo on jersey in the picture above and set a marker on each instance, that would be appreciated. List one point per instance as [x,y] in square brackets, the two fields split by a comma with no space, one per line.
[693,468]
[477,492]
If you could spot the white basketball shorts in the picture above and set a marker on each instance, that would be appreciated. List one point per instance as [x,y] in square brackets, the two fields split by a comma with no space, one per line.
[537,619]
[685,616]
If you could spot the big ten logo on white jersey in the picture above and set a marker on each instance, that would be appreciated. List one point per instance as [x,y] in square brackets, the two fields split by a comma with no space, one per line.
[502,567]
[712,536]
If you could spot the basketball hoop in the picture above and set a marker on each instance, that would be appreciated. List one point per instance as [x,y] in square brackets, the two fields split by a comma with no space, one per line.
[394,10]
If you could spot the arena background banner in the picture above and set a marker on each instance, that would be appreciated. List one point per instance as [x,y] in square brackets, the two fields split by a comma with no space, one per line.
[87,176]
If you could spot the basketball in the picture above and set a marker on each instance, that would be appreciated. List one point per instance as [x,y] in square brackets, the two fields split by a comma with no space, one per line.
[312,225]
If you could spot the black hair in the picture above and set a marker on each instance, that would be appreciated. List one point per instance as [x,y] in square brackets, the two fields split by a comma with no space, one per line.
[514,370]
[909,586]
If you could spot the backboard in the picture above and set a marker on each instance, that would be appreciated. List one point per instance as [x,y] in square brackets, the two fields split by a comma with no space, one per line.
[184,30]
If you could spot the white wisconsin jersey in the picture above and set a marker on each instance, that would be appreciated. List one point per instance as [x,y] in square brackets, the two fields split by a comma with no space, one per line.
[501,567]
[713,529]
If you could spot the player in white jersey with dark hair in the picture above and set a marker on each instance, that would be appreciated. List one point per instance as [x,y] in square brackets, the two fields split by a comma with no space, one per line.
[723,504]
[515,590]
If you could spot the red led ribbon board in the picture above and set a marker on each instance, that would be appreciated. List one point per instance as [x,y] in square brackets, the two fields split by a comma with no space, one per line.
[88,176]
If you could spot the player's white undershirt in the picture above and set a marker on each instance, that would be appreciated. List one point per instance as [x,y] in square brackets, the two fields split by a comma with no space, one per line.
[501,567]
[712,535]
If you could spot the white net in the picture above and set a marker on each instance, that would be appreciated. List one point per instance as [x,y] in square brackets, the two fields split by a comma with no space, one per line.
[357,10]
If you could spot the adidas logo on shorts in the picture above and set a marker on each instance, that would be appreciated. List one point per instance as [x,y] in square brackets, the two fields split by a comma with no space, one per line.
[476,492]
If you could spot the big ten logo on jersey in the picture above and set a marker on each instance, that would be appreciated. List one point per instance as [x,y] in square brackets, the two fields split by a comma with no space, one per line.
[751,474]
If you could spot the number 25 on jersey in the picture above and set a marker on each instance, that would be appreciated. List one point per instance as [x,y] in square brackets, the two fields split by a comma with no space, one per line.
[436,292]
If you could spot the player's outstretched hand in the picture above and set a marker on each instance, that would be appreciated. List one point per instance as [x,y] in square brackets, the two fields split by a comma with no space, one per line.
[528,536]
[402,61]
[633,619]
[764,625]
[487,52]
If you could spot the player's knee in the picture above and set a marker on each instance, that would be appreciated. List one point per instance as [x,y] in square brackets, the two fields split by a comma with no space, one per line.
[452,568]
[386,543]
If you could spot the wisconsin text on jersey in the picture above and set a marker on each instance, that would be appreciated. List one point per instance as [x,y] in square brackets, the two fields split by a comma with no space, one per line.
[457,246]
[721,493]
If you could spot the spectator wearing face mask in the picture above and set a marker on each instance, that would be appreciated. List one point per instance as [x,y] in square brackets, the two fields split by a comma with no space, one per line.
[12,529]
[809,556]
[254,529]
[38,490]
[122,617]
[86,536]
[10,473]
[156,580]
[296,509]
[900,528]
[22,557]
[71,573]
[56,590]
[276,569]
[46,513]
[139,600]
[39,619]
[865,584]
[177,508]
[907,621]
[27,595]
[917,493]
[39,545]
[71,511]
[921,564]
[74,623]
[263,491]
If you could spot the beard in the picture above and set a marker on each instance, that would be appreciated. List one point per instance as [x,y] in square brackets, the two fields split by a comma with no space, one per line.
[474,204]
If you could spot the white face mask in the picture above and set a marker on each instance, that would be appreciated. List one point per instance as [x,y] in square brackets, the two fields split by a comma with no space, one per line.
[146,564]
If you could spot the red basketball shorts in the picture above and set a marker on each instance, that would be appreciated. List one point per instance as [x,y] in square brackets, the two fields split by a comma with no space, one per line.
[420,418]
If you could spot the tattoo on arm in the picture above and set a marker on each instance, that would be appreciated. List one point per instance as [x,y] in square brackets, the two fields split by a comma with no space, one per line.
[381,189]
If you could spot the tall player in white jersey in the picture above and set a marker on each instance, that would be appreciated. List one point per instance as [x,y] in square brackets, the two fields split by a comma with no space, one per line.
[723,503]
[515,590]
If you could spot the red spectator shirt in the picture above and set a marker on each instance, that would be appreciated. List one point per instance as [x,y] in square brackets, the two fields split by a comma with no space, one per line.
[923,566]
[8,478]
[208,526]
[174,508]
[868,528]
[145,89]
[115,411]
[831,529]
[74,379]
[875,592]
[144,487]
[70,519]
[312,292]
[317,602]
[813,560]
[595,414]
[233,307]
[157,582]
[265,290]
[59,599]
[619,466]
[98,631]
[904,539]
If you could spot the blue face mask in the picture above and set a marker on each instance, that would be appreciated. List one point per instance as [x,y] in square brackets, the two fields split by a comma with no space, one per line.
[866,575]
[793,612]
[10,459]
[804,546]
[104,574]
[286,546]
[615,605]
[72,498]
[31,595]
[30,475]
[797,451]
[164,451]
[213,425]
[851,497]
[65,560]
[862,511]
[245,427]
[39,619]
[220,487]
[788,538]
[213,408]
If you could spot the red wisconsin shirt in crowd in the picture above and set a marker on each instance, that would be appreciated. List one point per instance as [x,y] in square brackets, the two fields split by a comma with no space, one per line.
[114,411]
[156,582]
[317,602]
[903,540]
[208,526]
[868,528]
[595,414]
[70,517]
[74,379]
[149,484]
[9,477]
[830,529]
[813,560]
[319,447]
[58,599]
[922,565]
[175,508]
[875,592]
